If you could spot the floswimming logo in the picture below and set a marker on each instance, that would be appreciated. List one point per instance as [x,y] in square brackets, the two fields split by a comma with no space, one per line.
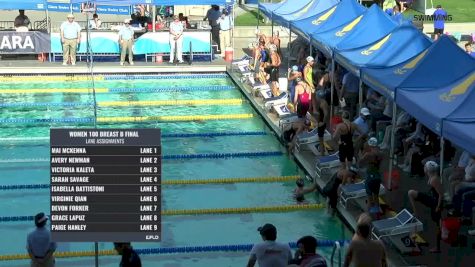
[376,46]
[324,17]
[458,90]
[348,27]
[411,64]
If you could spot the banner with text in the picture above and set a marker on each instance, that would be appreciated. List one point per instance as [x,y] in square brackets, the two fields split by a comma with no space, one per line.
[100,9]
[24,42]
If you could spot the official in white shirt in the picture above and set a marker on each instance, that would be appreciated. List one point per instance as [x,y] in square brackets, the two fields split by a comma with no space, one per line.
[176,40]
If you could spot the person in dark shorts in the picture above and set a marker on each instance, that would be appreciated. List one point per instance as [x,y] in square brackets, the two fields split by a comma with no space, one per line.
[372,158]
[272,67]
[344,136]
[130,258]
[432,199]
[440,15]
[323,109]
[341,177]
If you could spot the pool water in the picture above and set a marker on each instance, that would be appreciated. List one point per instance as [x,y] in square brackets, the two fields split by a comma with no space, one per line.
[21,141]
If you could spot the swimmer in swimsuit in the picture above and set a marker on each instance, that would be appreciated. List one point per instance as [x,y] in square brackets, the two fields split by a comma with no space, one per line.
[300,191]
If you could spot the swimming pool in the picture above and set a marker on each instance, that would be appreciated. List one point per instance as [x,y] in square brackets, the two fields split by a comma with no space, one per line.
[30,106]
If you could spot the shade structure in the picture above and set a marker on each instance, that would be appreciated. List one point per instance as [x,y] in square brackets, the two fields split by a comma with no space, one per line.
[398,46]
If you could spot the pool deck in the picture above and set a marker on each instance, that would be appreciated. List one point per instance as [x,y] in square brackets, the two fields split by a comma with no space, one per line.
[36,67]
[395,201]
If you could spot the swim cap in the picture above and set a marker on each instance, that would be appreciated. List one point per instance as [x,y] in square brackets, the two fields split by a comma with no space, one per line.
[298,79]
[295,68]
[431,166]
[273,47]
[310,59]
[354,169]
[300,182]
[373,141]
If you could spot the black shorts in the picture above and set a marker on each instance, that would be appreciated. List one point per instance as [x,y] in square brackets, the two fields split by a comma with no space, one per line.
[321,130]
[346,152]
[274,74]
[372,184]
[431,203]
[439,31]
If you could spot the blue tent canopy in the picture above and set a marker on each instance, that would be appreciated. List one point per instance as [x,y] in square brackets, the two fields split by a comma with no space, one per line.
[431,106]
[23,4]
[311,8]
[268,8]
[369,30]
[400,45]
[460,133]
[346,16]
[431,68]
[317,15]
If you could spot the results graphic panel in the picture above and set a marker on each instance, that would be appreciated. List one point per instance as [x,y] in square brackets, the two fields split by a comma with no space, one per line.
[105,185]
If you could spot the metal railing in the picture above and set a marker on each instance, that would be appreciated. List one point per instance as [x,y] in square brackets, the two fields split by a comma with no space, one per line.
[336,247]
[7,25]
[41,25]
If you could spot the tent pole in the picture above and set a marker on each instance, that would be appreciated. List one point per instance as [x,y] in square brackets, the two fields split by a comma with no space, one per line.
[154,17]
[272,28]
[332,87]
[442,142]
[258,15]
[232,26]
[391,151]
[288,47]
[360,94]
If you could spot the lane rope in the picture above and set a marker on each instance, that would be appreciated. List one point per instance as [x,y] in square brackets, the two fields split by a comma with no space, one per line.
[165,76]
[171,250]
[133,119]
[52,90]
[217,211]
[270,179]
[170,135]
[179,156]
[47,78]
[63,104]
[172,89]
[195,102]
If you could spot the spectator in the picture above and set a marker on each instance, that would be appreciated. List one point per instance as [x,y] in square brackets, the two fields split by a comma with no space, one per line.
[130,258]
[456,174]
[432,199]
[293,74]
[21,20]
[364,252]
[372,159]
[439,20]
[39,245]
[362,122]
[402,122]
[349,92]
[212,16]
[468,49]
[465,187]
[95,22]
[225,25]
[308,73]
[70,37]
[306,254]
[126,41]
[184,20]
[269,253]
[176,40]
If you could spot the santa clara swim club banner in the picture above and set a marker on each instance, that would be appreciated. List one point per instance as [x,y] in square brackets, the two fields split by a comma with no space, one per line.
[24,42]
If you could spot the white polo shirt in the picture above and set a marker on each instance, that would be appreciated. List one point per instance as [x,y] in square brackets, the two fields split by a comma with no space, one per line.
[272,254]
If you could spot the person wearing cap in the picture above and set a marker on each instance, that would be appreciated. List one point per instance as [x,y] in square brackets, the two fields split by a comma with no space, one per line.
[371,159]
[22,20]
[301,190]
[226,24]
[126,41]
[293,74]
[432,199]
[308,72]
[269,253]
[39,245]
[440,15]
[70,37]
[306,254]
[130,258]
[364,252]
[176,40]
[362,122]
[272,67]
